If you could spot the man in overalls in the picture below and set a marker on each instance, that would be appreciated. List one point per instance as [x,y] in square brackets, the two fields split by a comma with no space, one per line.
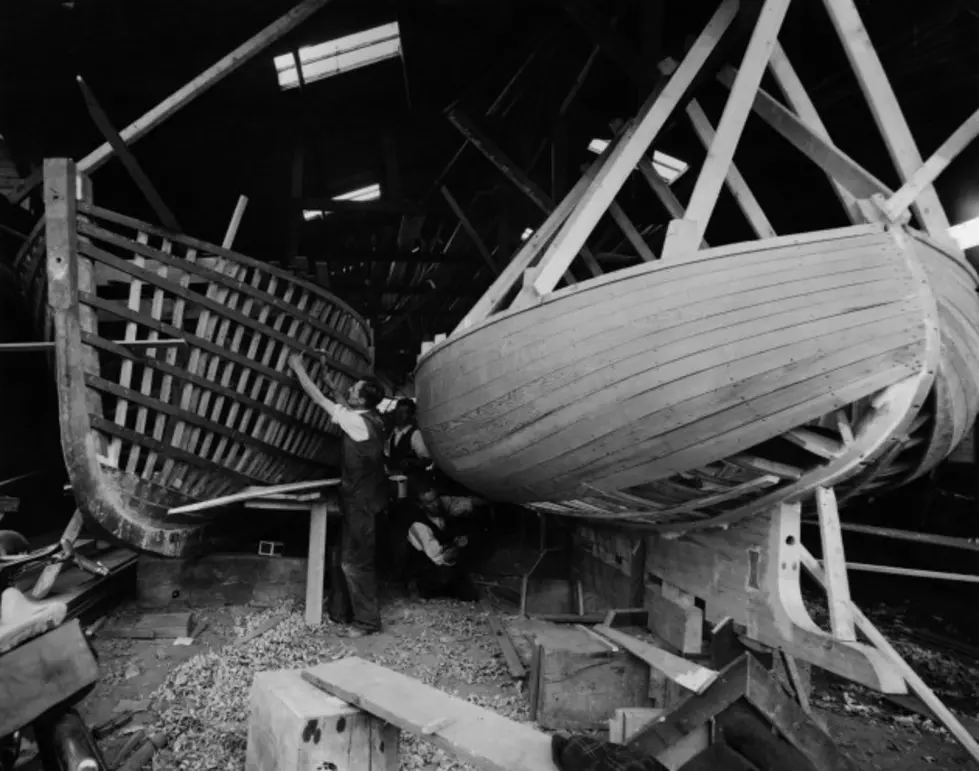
[363,497]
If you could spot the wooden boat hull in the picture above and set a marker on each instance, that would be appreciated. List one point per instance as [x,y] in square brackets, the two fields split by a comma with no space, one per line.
[669,392]
[148,429]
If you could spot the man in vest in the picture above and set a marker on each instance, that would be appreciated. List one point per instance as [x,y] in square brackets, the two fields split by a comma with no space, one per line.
[406,450]
[440,546]
[363,497]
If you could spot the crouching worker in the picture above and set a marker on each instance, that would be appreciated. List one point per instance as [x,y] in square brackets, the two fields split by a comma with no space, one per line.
[439,550]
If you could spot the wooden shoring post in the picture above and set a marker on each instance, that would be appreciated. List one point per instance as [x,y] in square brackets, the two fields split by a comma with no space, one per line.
[886,111]
[820,150]
[930,169]
[187,93]
[635,142]
[736,183]
[105,127]
[512,172]
[236,216]
[470,231]
[721,153]
[916,684]
[513,272]
[837,585]
[790,83]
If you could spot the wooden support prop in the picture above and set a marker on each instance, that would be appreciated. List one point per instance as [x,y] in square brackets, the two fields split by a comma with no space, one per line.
[522,260]
[930,169]
[820,150]
[969,544]
[33,347]
[316,562]
[478,736]
[937,575]
[251,493]
[235,223]
[635,142]
[837,586]
[470,231]
[45,581]
[886,111]
[721,153]
[798,98]
[684,673]
[916,684]
[118,145]
[735,182]
[512,172]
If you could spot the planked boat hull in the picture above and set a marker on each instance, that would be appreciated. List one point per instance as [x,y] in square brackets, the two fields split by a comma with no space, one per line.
[699,391]
[146,429]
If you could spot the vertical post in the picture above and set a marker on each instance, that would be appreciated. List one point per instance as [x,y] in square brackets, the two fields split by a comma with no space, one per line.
[316,563]
[834,559]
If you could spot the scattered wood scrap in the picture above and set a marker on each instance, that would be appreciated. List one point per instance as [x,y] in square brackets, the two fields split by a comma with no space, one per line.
[152,626]
[513,662]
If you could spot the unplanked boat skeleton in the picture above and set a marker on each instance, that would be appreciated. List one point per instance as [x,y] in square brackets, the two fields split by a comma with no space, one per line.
[704,396]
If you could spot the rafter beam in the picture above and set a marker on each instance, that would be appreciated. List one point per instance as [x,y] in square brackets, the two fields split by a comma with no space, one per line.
[511,171]
[725,142]
[886,110]
[470,231]
[105,127]
[635,142]
[187,93]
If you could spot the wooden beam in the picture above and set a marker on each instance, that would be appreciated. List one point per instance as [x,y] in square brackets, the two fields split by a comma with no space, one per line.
[212,75]
[231,233]
[631,234]
[635,142]
[886,110]
[735,182]
[837,164]
[837,586]
[906,535]
[795,92]
[32,347]
[721,153]
[917,685]
[512,172]
[684,673]
[470,231]
[381,205]
[930,169]
[104,125]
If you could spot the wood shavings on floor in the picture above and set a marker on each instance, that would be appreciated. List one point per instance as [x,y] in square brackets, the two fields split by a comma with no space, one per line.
[203,704]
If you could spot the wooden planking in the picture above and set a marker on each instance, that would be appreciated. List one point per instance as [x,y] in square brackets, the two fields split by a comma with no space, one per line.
[636,352]
[657,300]
[473,734]
[729,271]
[647,385]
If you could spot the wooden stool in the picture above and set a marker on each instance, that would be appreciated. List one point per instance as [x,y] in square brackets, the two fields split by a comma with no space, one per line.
[294,726]
[320,504]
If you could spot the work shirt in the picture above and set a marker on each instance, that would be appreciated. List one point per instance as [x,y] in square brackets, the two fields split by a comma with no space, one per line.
[404,441]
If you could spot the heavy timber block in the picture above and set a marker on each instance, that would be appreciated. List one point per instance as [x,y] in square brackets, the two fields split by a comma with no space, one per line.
[42,673]
[577,681]
[294,726]
[628,722]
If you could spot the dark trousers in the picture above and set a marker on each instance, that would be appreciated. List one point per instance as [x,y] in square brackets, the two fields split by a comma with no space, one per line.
[442,580]
[353,569]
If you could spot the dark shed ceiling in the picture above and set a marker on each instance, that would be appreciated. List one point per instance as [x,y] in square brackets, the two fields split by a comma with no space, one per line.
[241,136]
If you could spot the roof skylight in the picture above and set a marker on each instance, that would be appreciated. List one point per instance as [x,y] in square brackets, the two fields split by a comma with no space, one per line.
[339,55]
[668,167]
[368,193]
[528,232]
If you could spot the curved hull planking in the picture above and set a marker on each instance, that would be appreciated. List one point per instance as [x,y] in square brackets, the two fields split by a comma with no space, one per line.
[146,429]
[697,391]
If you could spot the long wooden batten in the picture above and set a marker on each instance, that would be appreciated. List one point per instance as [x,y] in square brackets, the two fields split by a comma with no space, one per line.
[144,429]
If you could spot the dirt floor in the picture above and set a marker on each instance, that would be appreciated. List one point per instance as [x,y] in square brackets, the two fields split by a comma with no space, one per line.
[198,694]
